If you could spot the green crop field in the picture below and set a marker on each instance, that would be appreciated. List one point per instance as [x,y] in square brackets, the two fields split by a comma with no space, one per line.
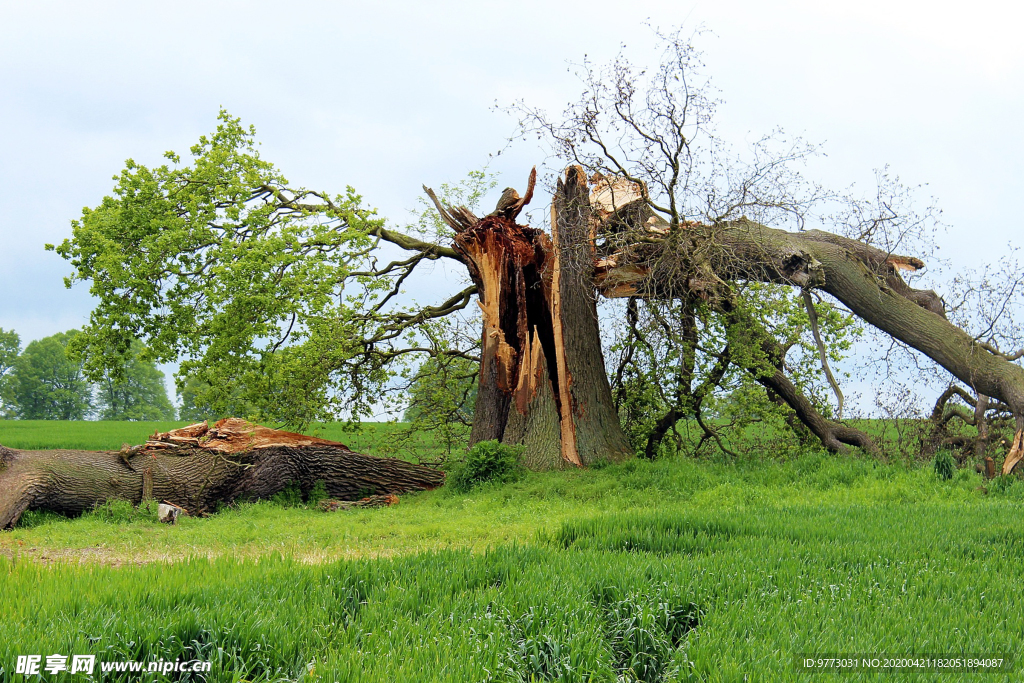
[674,570]
[373,438]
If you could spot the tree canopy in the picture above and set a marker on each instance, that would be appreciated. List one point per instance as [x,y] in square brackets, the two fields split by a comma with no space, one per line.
[45,384]
[276,292]
[136,392]
[10,346]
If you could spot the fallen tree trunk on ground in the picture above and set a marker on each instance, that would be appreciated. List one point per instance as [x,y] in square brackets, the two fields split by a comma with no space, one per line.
[644,256]
[197,468]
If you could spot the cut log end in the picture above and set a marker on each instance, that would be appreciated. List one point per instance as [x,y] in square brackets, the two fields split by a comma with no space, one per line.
[168,513]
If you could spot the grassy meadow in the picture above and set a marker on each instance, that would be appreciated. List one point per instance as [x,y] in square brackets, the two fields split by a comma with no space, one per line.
[674,570]
[371,437]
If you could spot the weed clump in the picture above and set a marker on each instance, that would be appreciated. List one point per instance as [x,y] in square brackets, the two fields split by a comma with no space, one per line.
[486,461]
[122,511]
[292,496]
[945,466]
[644,632]
[288,497]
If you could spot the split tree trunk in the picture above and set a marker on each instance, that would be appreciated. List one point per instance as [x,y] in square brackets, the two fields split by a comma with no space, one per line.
[542,376]
[542,383]
[197,468]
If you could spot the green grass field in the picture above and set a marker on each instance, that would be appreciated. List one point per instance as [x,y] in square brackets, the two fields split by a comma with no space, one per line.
[373,438]
[668,570]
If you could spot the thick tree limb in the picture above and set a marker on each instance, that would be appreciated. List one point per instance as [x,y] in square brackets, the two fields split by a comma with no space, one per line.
[833,435]
[197,468]
[861,277]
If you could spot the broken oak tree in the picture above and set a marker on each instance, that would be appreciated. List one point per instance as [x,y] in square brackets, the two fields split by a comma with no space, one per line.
[198,467]
[543,382]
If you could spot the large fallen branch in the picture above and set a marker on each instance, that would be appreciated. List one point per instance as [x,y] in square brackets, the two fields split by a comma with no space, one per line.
[643,256]
[197,468]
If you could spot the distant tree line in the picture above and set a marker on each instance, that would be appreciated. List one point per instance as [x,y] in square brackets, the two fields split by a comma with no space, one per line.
[45,382]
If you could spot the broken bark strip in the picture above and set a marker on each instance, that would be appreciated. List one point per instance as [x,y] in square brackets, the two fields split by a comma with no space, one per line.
[198,468]
[542,378]
[589,417]
[1016,453]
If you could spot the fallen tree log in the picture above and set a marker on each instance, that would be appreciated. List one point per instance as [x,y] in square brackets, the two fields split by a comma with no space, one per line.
[197,468]
[643,255]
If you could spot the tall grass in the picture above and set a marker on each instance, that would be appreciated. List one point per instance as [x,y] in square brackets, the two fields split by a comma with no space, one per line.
[372,438]
[675,570]
[648,596]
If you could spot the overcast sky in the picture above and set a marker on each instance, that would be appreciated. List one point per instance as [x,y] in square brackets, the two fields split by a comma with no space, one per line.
[385,96]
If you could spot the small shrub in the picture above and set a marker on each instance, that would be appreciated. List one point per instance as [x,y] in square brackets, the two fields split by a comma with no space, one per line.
[487,461]
[945,466]
[317,493]
[288,497]
[118,512]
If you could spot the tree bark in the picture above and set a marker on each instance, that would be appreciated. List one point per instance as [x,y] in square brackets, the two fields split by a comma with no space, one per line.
[542,383]
[198,468]
[865,279]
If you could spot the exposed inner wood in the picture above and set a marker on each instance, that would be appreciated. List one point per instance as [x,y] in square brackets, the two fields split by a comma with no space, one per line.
[1016,453]
[232,435]
[526,384]
[563,393]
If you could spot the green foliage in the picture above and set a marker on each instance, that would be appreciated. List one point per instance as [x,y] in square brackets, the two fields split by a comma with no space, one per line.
[209,261]
[195,407]
[10,345]
[46,383]
[277,301]
[486,461]
[442,398]
[288,497]
[686,378]
[443,391]
[292,496]
[136,392]
[317,493]
[945,466]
